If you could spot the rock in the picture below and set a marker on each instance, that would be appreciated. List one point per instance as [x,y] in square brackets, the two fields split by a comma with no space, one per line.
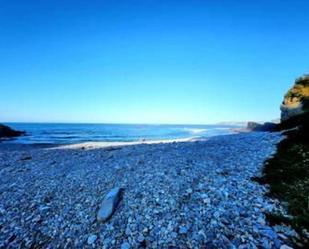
[183,230]
[269,234]
[261,221]
[125,245]
[296,100]
[189,191]
[253,125]
[24,158]
[128,231]
[267,126]
[174,235]
[140,238]
[109,204]
[285,247]
[6,132]
[91,239]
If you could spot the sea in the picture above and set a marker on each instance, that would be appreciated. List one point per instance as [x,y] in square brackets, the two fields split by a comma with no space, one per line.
[65,133]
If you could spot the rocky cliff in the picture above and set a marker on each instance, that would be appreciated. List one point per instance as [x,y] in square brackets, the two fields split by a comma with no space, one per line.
[287,172]
[296,100]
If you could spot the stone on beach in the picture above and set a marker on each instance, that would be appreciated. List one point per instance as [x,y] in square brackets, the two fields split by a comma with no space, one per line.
[183,230]
[285,247]
[125,245]
[109,204]
[91,239]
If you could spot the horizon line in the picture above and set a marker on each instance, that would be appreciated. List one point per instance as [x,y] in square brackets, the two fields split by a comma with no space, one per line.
[124,123]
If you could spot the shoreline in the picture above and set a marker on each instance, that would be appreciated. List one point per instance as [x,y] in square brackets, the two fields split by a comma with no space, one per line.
[12,145]
[99,145]
[101,136]
[91,144]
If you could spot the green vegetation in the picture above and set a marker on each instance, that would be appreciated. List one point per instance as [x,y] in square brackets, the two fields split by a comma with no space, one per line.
[299,92]
[287,173]
[304,81]
[288,176]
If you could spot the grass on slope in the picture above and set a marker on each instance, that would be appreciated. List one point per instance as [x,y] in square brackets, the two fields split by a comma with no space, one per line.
[287,173]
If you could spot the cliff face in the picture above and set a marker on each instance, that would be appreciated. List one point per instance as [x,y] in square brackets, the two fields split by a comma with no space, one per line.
[296,101]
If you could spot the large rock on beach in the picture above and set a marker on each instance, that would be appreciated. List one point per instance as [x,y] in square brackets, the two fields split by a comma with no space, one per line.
[296,100]
[7,132]
[109,204]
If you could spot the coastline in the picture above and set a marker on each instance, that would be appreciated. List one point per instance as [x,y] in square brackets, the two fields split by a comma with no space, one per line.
[64,134]
[187,194]
[15,145]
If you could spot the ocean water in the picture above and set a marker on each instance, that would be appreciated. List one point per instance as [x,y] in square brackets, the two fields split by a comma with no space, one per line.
[44,133]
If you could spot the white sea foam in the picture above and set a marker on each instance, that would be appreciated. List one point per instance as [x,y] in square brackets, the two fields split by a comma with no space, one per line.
[96,145]
[195,130]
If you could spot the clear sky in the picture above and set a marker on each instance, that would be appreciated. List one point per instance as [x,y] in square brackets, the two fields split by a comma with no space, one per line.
[149,61]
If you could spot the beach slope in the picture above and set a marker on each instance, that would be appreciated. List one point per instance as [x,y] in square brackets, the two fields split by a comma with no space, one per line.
[184,194]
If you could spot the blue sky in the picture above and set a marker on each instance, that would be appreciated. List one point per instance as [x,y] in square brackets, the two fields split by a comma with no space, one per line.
[149,61]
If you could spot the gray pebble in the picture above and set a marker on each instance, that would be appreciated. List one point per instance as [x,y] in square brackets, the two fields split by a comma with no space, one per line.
[183,230]
[91,239]
[125,245]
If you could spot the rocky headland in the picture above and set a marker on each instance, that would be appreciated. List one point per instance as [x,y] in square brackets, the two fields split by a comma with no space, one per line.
[7,132]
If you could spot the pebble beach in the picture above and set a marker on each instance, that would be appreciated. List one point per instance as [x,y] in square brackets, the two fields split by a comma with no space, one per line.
[185,194]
